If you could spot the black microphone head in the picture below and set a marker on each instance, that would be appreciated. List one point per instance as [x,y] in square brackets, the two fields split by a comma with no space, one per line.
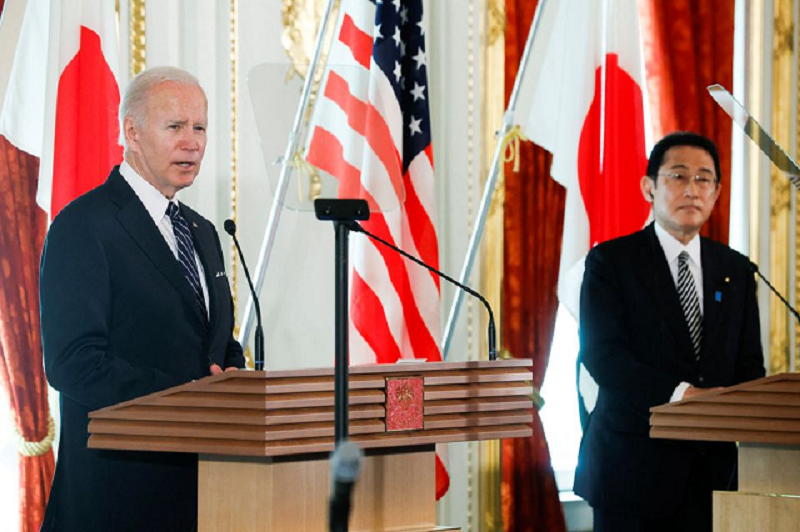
[230,227]
[753,267]
[346,462]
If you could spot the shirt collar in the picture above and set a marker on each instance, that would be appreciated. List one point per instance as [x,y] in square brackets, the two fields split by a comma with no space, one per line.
[672,247]
[154,201]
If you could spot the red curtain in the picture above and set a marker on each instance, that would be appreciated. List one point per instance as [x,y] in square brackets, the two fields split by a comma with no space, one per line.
[534,219]
[22,230]
[689,46]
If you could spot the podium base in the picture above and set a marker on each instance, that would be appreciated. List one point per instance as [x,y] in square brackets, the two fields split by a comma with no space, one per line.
[766,512]
[394,493]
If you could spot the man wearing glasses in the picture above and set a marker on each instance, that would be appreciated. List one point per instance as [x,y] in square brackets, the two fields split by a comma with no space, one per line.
[665,315]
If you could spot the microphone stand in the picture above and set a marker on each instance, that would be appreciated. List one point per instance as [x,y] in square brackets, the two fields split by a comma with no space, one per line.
[342,340]
[343,213]
[258,362]
[755,269]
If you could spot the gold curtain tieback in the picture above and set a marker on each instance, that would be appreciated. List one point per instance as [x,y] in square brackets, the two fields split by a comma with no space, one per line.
[36,448]
[510,144]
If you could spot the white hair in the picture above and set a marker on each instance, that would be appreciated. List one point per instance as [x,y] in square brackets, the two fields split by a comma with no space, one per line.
[134,102]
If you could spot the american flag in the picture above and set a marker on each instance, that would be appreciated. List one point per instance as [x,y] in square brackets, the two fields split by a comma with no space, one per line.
[371,131]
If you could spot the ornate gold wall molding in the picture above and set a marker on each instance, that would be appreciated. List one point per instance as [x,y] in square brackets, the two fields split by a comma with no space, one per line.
[301,18]
[780,189]
[796,124]
[234,132]
[473,480]
[137,52]
[492,90]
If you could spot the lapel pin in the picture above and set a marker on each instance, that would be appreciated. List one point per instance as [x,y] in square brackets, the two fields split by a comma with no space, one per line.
[718,294]
[195,225]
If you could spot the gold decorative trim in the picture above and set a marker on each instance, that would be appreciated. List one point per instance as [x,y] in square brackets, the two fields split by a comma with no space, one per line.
[495,24]
[233,37]
[473,446]
[780,188]
[234,132]
[492,110]
[137,36]
[795,275]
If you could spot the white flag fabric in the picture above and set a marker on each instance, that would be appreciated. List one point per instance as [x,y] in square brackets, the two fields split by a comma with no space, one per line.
[63,96]
[23,62]
[581,99]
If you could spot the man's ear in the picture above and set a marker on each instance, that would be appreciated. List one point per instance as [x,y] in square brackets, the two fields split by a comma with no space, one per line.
[131,132]
[717,190]
[646,184]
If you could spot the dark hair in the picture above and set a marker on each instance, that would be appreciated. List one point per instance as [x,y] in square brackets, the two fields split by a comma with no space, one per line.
[681,138]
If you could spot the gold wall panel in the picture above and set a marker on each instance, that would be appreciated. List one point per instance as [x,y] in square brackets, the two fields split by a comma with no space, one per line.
[233,36]
[137,36]
[492,89]
[780,188]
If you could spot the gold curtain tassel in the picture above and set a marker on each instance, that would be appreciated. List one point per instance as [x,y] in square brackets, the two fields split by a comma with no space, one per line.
[36,448]
[511,146]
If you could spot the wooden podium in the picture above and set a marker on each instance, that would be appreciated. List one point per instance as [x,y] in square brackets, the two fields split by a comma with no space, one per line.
[764,417]
[264,438]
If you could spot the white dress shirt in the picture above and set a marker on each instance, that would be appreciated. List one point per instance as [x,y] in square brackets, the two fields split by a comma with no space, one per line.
[672,248]
[155,203]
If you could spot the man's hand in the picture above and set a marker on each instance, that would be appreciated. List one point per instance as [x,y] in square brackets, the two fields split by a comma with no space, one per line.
[691,391]
[216,370]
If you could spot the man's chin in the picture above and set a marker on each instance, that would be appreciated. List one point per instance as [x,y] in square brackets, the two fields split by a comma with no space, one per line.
[184,179]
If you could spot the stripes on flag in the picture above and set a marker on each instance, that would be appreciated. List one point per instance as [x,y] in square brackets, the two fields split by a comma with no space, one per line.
[371,132]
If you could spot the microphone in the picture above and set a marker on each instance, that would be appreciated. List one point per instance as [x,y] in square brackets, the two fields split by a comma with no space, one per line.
[230,228]
[754,269]
[345,468]
[492,337]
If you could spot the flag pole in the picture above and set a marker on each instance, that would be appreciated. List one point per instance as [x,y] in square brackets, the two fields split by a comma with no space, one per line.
[286,170]
[491,184]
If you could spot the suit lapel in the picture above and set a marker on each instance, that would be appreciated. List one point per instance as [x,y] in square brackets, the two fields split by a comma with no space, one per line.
[134,218]
[658,281]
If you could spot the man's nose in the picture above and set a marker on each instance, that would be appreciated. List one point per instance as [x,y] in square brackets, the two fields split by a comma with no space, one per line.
[190,141]
[692,189]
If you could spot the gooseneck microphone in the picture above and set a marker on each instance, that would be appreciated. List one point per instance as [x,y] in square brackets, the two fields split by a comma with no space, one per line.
[345,468]
[754,269]
[492,337]
[230,228]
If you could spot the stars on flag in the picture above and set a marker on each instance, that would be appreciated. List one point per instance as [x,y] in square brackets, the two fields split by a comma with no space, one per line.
[413,126]
[399,51]
[420,58]
[418,91]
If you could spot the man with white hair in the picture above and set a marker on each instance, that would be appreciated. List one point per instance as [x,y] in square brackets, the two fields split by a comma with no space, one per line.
[134,300]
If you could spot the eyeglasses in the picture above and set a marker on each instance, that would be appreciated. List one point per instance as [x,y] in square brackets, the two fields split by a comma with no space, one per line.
[680,181]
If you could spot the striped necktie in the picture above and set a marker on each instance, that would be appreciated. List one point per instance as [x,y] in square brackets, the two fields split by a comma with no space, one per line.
[690,302]
[183,240]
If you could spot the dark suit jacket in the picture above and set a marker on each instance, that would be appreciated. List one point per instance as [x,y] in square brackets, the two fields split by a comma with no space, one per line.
[119,321]
[636,344]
